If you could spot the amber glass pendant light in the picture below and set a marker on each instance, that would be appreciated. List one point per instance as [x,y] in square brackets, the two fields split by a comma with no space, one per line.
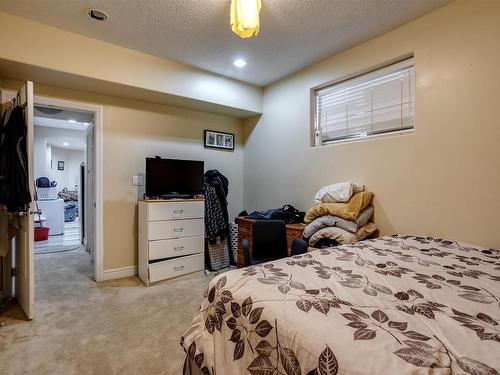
[245,17]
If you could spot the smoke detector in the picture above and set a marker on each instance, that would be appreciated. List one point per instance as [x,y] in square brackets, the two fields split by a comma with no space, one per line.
[97,15]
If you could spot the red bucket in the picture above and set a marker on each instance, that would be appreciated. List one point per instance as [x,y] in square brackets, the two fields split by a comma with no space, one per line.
[41,234]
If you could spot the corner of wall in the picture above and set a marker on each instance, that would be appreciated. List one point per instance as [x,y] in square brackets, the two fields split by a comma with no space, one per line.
[248,125]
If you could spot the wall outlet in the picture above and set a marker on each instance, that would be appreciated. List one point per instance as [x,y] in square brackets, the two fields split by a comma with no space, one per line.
[137,180]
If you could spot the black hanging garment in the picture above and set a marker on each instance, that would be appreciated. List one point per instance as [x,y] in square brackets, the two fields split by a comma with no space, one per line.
[215,224]
[216,188]
[221,185]
[14,184]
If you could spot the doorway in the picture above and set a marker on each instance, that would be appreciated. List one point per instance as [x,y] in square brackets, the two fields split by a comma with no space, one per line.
[61,169]
[20,283]
[86,120]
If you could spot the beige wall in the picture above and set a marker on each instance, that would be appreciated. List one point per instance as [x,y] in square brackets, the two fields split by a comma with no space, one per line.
[29,44]
[134,130]
[444,179]
[69,177]
[43,136]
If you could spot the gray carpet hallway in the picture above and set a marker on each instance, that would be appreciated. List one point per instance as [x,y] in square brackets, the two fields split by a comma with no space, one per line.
[113,327]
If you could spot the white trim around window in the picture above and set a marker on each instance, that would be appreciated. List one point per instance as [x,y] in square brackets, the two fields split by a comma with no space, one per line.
[379,102]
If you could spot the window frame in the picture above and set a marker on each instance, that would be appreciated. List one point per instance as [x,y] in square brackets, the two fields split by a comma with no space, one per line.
[316,140]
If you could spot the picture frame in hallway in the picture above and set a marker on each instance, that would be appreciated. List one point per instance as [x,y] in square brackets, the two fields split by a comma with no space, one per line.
[219,140]
[60,165]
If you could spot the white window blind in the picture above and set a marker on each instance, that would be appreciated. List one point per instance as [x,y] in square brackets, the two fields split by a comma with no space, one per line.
[378,102]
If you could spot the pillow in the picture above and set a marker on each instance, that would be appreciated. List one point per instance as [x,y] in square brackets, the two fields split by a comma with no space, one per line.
[342,236]
[336,221]
[353,226]
[335,193]
[319,223]
[348,211]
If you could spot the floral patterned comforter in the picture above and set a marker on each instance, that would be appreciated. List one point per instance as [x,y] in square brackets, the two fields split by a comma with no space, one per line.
[392,305]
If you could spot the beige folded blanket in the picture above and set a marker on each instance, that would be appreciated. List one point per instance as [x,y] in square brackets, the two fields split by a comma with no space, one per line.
[342,236]
[348,211]
[335,221]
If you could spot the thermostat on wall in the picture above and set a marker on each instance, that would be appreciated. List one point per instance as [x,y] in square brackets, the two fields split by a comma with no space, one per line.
[137,180]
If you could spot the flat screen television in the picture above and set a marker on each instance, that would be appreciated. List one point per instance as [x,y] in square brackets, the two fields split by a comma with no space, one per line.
[170,178]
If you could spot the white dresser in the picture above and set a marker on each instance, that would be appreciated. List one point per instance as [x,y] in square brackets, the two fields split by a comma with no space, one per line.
[171,238]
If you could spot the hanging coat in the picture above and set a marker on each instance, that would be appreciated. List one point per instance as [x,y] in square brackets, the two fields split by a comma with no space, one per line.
[14,184]
[221,185]
[215,225]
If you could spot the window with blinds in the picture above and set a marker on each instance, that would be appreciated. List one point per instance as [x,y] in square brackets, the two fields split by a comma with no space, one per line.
[379,102]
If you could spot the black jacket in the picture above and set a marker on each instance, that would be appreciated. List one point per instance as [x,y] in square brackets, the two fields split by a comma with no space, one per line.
[14,184]
[216,215]
[215,225]
[221,184]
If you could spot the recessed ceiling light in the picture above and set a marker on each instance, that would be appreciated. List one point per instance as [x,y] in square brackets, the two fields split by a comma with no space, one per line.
[71,120]
[240,63]
[97,15]
[65,144]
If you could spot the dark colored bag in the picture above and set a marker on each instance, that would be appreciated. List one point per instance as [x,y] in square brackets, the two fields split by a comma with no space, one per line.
[289,215]
[324,243]
[42,182]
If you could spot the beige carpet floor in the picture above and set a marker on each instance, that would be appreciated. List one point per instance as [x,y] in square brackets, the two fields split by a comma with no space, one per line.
[114,327]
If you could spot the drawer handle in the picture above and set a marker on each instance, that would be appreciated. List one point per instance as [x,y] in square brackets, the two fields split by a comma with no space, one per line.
[178,230]
[178,268]
[178,248]
[178,212]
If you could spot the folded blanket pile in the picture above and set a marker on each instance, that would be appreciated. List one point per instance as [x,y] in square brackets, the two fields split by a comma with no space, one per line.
[341,214]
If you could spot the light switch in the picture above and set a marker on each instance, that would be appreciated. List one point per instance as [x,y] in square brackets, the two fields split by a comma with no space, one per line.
[137,180]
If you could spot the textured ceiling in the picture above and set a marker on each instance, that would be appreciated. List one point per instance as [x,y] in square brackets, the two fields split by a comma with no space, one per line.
[294,33]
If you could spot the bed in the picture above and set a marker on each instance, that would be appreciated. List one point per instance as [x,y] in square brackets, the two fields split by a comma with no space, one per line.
[392,305]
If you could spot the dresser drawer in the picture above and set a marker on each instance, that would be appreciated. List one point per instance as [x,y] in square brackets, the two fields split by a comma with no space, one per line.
[175,247]
[175,267]
[161,230]
[175,210]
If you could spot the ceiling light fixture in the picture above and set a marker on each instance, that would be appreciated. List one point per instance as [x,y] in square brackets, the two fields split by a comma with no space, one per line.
[240,63]
[97,15]
[65,144]
[245,17]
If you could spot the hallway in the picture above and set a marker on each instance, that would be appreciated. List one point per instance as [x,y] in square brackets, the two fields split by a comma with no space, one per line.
[70,240]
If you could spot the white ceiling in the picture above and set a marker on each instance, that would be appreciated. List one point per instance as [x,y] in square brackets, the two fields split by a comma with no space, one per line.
[294,33]
[68,143]
[64,115]
[65,128]
[65,138]
[60,124]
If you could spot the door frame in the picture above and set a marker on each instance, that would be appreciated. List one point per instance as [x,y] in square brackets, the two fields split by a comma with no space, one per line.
[98,170]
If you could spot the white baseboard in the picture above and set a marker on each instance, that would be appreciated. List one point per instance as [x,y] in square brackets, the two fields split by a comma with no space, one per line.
[119,273]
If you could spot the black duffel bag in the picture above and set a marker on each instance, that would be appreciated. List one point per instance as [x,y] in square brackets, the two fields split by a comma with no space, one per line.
[288,214]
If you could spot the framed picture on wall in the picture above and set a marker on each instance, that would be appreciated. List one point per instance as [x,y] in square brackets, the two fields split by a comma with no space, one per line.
[60,165]
[220,140]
